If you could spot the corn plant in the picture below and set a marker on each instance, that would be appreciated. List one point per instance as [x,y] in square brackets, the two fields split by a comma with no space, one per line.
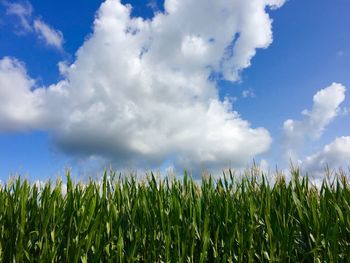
[229,219]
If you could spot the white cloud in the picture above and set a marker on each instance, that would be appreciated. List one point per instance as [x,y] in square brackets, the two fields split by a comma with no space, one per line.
[17,107]
[248,93]
[138,93]
[275,3]
[325,108]
[334,155]
[51,36]
[24,11]
[153,5]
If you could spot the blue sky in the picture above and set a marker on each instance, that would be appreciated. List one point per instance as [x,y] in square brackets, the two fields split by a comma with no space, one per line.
[309,49]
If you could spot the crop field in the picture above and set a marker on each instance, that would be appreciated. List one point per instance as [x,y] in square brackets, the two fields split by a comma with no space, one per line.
[122,219]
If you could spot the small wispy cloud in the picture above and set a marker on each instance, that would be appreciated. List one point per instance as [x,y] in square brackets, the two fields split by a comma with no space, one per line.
[51,36]
[345,111]
[153,5]
[248,93]
[29,24]
[23,11]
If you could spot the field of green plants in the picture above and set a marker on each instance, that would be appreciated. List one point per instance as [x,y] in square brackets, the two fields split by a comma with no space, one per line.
[121,219]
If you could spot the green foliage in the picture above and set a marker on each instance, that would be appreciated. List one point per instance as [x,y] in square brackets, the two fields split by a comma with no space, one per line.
[167,220]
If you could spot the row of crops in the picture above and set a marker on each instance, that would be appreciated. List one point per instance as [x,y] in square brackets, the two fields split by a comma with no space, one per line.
[121,219]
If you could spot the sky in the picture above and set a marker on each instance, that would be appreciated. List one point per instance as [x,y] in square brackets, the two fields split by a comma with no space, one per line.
[173,85]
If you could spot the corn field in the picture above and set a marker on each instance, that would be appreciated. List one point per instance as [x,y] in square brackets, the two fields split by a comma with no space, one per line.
[170,220]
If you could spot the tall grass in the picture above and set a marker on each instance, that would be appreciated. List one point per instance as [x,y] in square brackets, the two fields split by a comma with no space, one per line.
[168,220]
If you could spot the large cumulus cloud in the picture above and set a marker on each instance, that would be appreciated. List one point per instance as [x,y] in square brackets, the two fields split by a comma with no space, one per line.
[141,92]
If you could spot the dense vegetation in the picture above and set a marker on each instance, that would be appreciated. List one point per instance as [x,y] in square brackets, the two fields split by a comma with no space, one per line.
[171,220]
